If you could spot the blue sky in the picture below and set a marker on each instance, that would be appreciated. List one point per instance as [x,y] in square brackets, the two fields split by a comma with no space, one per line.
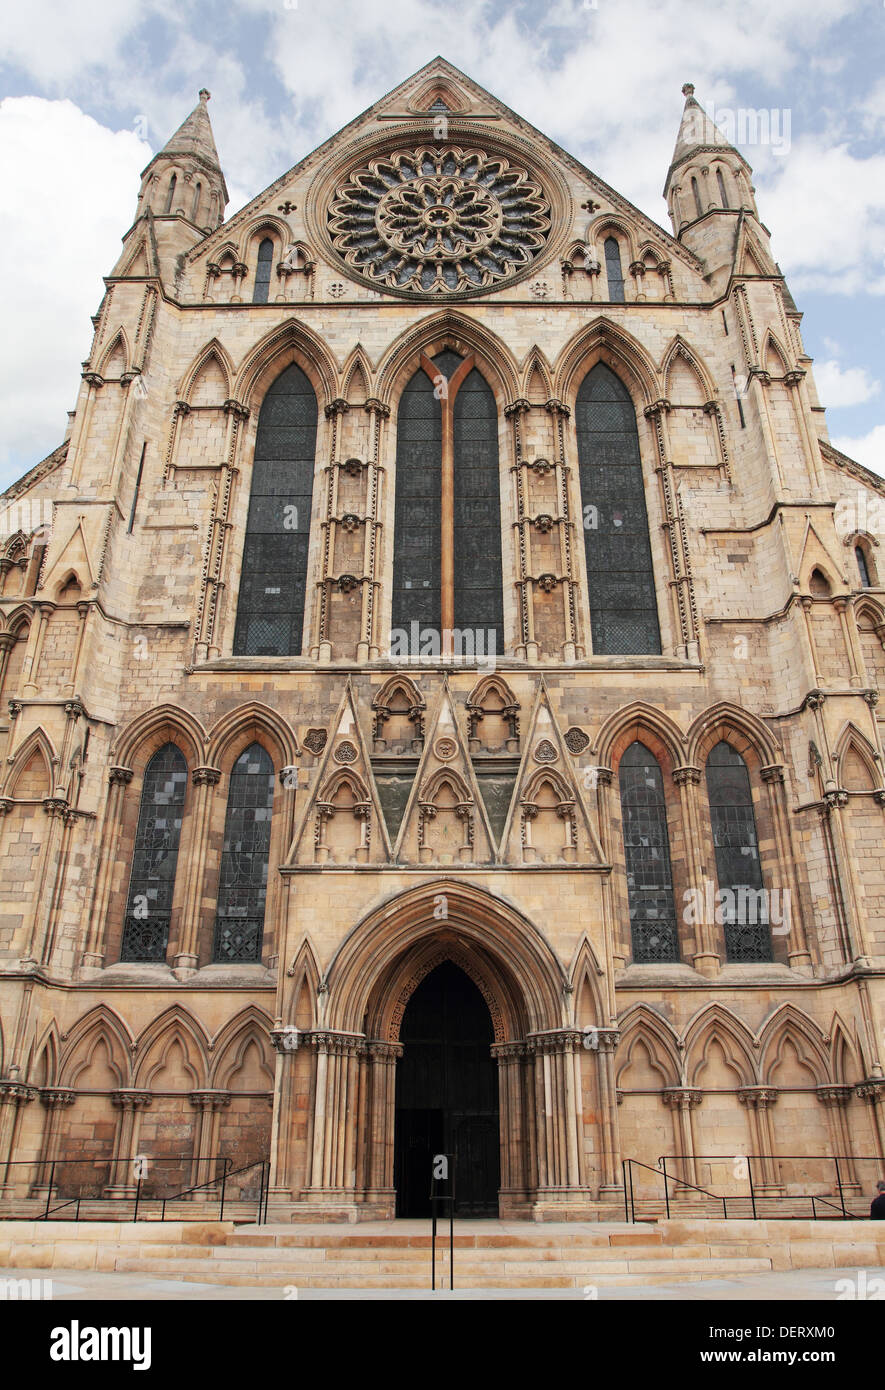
[91,88]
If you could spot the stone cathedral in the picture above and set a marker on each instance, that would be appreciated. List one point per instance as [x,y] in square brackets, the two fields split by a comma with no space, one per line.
[440,675]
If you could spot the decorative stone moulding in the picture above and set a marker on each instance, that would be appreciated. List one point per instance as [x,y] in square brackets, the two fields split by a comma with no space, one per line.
[347,583]
[438,221]
[352,467]
[345,752]
[545,752]
[315,741]
[576,740]
[540,466]
[445,749]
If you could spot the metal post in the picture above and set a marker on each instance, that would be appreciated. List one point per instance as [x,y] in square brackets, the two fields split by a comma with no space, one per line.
[666,1188]
[433,1243]
[632,1198]
[137,1196]
[452,1239]
[624,1182]
[223,1187]
[752,1188]
[841,1193]
[49,1191]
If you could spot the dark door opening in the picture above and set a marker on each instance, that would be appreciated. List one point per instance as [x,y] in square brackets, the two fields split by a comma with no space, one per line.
[447,1096]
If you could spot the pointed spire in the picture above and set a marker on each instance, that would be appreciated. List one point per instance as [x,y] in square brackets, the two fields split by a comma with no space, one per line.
[696,129]
[194,136]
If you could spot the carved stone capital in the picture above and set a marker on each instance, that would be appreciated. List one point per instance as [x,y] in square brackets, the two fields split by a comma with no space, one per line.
[554,1041]
[373,405]
[120,776]
[757,1097]
[774,772]
[517,407]
[6,804]
[131,1099]
[872,1090]
[337,407]
[237,409]
[682,1097]
[384,1051]
[53,1097]
[557,407]
[834,1096]
[206,776]
[16,1092]
[209,1100]
[687,776]
[660,407]
[56,806]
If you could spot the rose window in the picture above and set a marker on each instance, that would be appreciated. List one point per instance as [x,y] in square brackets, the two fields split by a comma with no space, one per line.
[439,221]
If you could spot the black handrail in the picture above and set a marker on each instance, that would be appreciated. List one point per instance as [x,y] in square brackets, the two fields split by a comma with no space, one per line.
[753,1195]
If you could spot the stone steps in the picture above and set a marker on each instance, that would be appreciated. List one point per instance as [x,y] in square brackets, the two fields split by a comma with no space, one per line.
[377,1255]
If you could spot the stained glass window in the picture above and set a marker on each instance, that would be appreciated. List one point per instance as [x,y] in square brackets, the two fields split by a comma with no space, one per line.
[620,578]
[418,513]
[479,601]
[742,904]
[862,566]
[647,857]
[262,272]
[242,886]
[613,271]
[270,616]
[155,857]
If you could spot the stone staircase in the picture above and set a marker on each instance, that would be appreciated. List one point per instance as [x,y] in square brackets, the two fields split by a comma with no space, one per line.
[396,1254]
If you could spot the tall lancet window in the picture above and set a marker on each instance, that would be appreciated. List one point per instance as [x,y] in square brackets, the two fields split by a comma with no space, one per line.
[270,615]
[155,857]
[242,886]
[742,905]
[647,857]
[613,272]
[262,272]
[170,193]
[723,196]
[620,578]
[447,528]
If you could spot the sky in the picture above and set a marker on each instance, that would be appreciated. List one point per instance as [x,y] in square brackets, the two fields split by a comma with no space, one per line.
[90,89]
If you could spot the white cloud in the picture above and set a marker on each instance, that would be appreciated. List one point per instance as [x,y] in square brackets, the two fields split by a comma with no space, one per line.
[868,449]
[55,40]
[842,387]
[838,254]
[71,189]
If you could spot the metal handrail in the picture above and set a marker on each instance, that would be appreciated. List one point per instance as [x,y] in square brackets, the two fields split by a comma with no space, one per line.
[753,1196]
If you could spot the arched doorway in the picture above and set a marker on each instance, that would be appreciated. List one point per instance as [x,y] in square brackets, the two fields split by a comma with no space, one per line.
[447,1096]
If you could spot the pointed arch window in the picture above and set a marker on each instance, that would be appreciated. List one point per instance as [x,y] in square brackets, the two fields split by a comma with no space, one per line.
[242,886]
[723,196]
[620,577]
[170,193]
[696,192]
[863,568]
[647,857]
[155,857]
[613,272]
[742,904]
[447,526]
[262,272]
[270,615]
[195,206]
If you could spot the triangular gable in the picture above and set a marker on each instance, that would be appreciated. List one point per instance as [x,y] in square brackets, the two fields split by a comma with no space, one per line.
[344,791]
[445,811]
[482,102]
[75,554]
[546,760]
[814,554]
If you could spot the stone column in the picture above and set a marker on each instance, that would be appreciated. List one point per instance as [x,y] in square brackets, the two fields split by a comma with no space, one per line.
[759,1100]
[14,1096]
[798,952]
[187,958]
[612,1173]
[208,1105]
[54,1099]
[682,1100]
[872,1092]
[514,1164]
[558,1121]
[836,1099]
[706,958]
[383,1057]
[93,957]
[130,1104]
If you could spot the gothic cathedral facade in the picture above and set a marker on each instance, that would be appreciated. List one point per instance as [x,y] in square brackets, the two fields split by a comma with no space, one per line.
[532,814]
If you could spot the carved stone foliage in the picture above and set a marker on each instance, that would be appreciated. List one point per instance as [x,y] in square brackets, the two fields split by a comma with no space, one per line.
[439,221]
